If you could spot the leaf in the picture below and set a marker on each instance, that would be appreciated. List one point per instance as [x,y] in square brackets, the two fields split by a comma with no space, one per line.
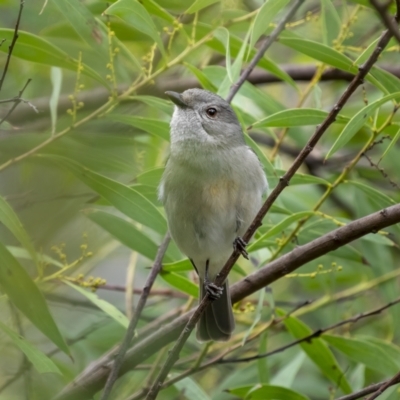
[359,119]
[40,361]
[151,177]
[222,34]
[132,12]
[191,389]
[390,146]
[331,23]
[384,80]
[25,295]
[363,352]
[269,169]
[303,179]
[263,392]
[264,17]
[178,266]
[377,195]
[366,53]
[125,199]
[286,375]
[153,8]
[155,127]
[297,117]
[125,232]
[14,225]
[19,252]
[199,5]
[155,102]
[180,282]
[318,51]
[317,351]
[105,306]
[280,227]
[33,48]
[56,81]
[202,78]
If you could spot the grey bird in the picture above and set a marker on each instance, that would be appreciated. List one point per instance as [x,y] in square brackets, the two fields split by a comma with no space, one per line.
[211,189]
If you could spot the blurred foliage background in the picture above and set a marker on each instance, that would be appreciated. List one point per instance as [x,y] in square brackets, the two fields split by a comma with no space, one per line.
[82,154]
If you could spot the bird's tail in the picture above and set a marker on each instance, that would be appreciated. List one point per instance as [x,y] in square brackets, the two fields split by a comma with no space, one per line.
[216,322]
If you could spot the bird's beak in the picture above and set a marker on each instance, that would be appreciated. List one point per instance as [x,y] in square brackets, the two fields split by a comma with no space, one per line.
[177,99]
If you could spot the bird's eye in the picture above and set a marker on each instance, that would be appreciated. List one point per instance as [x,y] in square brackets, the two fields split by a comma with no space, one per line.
[211,112]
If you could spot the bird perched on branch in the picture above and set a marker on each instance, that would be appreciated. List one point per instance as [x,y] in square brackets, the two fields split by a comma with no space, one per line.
[211,189]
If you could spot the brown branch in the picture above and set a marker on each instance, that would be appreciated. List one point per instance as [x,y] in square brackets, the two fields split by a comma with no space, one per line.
[13,41]
[113,376]
[90,382]
[371,389]
[315,334]
[389,22]
[264,47]
[393,381]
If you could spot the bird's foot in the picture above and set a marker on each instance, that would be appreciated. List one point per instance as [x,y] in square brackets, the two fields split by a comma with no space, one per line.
[240,245]
[214,291]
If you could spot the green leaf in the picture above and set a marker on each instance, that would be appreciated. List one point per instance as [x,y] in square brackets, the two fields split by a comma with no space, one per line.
[202,78]
[222,34]
[155,127]
[132,12]
[359,119]
[33,48]
[263,392]
[180,282]
[25,295]
[14,225]
[125,232]
[280,227]
[125,199]
[297,117]
[199,5]
[318,51]
[366,53]
[363,352]
[153,8]
[331,23]
[40,361]
[384,80]
[151,177]
[390,146]
[155,102]
[287,374]
[268,168]
[178,266]
[302,179]
[264,17]
[105,306]
[191,389]
[377,195]
[19,252]
[317,351]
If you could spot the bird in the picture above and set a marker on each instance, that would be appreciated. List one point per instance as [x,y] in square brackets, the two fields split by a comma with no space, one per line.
[212,188]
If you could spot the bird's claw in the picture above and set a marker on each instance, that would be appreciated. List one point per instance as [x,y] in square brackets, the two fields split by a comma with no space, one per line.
[214,291]
[240,245]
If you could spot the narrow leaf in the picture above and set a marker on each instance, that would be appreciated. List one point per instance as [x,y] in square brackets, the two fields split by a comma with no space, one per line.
[105,306]
[390,146]
[180,282]
[263,392]
[359,119]
[199,5]
[125,199]
[264,17]
[14,225]
[40,361]
[25,295]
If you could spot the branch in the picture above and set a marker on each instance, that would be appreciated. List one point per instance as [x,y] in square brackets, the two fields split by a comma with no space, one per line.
[371,389]
[89,383]
[389,22]
[11,47]
[261,51]
[113,376]
[315,334]
[393,381]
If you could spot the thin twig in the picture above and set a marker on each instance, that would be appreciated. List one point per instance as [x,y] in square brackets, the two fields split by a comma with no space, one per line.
[11,47]
[261,51]
[113,376]
[370,389]
[387,19]
[315,334]
[17,100]
[390,382]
